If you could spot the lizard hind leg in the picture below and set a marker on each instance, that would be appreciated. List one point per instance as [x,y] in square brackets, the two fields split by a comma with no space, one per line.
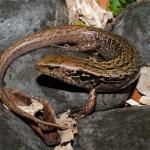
[89,106]
[90,103]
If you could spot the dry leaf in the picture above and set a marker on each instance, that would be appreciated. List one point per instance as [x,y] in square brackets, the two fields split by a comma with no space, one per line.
[32,105]
[103,3]
[141,94]
[65,120]
[33,108]
[145,100]
[133,102]
[68,135]
[136,95]
[89,12]
[66,147]
[143,85]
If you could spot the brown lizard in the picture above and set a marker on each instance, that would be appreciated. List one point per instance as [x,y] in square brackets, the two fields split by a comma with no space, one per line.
[120,67]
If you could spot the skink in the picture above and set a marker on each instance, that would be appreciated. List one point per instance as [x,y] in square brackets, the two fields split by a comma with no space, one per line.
[119,68]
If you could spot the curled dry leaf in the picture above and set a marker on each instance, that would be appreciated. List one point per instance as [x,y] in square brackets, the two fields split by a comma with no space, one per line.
[50,135]
[33,108]
[33,105]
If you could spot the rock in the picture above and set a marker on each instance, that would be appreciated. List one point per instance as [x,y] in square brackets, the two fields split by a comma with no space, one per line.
[120,129]
[18,19]
[134,24]
[15,134]
[21,18]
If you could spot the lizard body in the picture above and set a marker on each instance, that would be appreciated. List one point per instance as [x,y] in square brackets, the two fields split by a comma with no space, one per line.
[120,66]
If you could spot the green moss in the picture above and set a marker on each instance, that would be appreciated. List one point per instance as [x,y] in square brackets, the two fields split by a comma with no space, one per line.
[116,6]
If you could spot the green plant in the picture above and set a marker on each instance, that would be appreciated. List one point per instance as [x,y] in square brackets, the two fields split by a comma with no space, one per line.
[117,5]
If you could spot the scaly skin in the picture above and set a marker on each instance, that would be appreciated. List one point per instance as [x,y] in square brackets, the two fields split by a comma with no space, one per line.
[119,69]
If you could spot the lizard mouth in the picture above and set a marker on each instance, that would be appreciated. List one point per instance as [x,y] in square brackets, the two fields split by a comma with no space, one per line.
[71,75]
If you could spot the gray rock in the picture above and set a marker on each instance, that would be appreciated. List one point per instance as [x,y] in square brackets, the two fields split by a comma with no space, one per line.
[16,135]
[21,18]
[134,24]
[18,19]
[120,129]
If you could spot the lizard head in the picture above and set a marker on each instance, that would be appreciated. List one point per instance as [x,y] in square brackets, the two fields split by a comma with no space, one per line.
[67,69]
